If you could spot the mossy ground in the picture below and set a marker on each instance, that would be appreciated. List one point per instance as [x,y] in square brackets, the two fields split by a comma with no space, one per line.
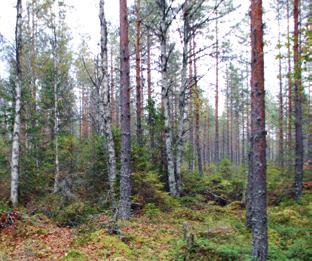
[219,234]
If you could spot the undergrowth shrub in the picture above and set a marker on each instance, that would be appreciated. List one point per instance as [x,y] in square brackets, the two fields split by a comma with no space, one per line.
[4,207]
[74,214]
[65,213]
[150,210]
[147,188]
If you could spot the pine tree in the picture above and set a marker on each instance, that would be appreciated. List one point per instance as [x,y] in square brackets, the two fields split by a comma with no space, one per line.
[124,210]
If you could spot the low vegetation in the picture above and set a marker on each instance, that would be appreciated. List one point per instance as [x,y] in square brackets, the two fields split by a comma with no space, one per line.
[206,223]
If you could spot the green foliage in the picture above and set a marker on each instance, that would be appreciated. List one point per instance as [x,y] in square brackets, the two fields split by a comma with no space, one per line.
[151,211]
[194,184]
[139,157]
[225,167]
[74,214]
[4,207]
[64,213]
[223,186]
[147,188]
[74,255]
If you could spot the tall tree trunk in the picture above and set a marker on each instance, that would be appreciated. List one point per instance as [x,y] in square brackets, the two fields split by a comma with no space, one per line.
[205,153]
[228,114]
[298,107]
[84,132]
[197,115]
[258,137]
[138,73]
[191,99]
[125,185]
[231,125]
[57,178]
[289,76]
[281,103]
[112,90]
[217,156]
[17,117]
[165,91]
[149,71]
[182,93]
[107,116]
[208,137]
[243,136]
[149,91]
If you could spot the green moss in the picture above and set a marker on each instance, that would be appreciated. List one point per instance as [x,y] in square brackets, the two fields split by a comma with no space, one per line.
[74,255]
[111,246]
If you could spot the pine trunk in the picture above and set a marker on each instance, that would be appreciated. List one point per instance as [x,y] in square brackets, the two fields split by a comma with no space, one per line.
[149,91]
[191,129]
[258,137]
[125,173]
[298,107]
[289,76]
[217,156]
[197,114]
[281,103]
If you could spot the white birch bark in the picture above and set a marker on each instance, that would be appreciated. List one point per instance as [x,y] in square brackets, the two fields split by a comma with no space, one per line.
[57,178]
[182,95]
[107,108]
[165,90]
[17,118]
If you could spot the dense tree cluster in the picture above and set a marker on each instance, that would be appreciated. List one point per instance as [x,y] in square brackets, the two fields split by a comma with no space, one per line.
[79,124]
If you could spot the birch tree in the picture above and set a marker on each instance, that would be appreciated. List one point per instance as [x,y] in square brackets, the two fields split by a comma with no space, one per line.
[164,9]
[107,107]
[15,157]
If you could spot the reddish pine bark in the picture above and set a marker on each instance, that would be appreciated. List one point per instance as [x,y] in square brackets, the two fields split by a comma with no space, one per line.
[124,211]
[257,178]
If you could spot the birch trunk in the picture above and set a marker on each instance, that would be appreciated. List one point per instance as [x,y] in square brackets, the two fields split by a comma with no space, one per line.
[17,118]
[165,91]
[107,115]
[182,95]
[57,178]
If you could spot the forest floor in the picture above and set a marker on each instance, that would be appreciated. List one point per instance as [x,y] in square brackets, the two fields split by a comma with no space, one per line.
[196,227]
[219,234]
